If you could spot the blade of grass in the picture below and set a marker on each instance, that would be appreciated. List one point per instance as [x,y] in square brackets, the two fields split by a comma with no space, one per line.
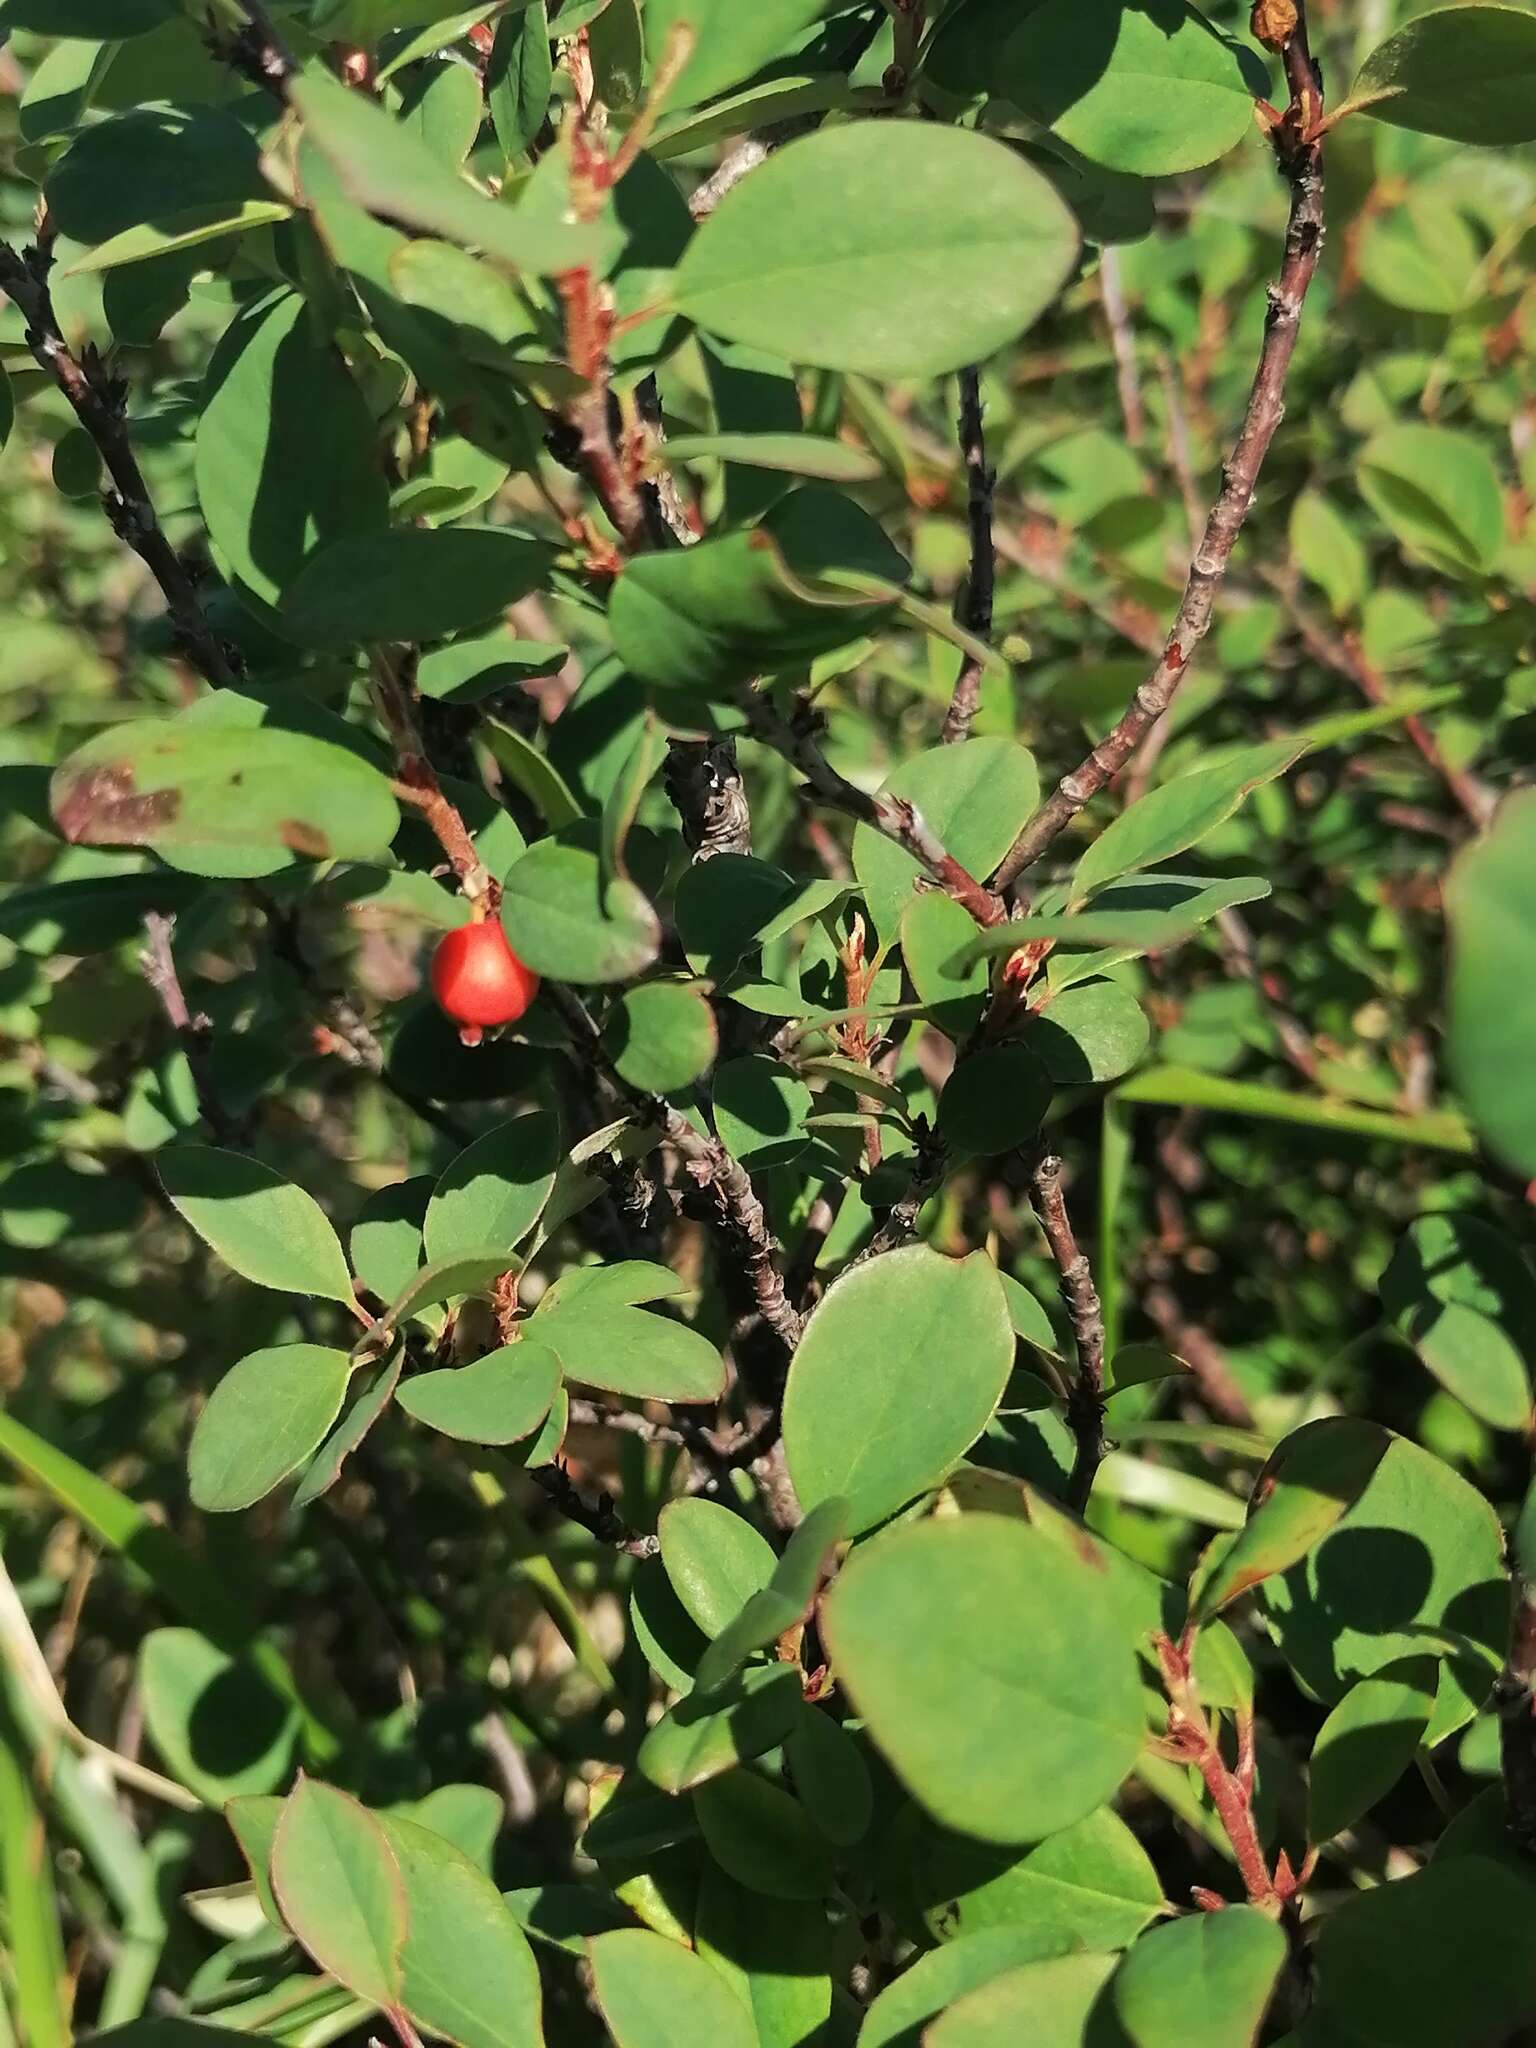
[36,1941]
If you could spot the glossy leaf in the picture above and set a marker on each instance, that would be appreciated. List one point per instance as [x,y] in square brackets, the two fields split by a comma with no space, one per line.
[261,1225]
[892,248]
[1089,1886]
[263,1420]
[1095,1031]
[1052,1999]
[899,1369]
[902,1624]
[662,1035]
[940,1976]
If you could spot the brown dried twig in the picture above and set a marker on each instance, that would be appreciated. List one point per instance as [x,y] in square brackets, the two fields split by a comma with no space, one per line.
[1085,1399]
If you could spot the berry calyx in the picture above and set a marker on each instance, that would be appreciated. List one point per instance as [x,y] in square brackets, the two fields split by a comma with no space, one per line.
[479,981]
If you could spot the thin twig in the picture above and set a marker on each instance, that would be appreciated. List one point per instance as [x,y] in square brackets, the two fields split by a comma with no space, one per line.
[797,739]
[704,784]
[193,1032]
[598,1517]
[418,784]
[1300,156]
[741,1220]
[1123,342]
[1343,653]
[99,401]
[976,607]
[1085,1404]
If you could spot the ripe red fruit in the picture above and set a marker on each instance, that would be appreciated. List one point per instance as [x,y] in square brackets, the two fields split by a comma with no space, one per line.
[478,979]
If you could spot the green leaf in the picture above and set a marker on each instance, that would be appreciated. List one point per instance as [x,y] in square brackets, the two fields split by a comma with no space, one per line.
[1438,492]
[837,462]
[39,1984]
[1140,1365]
[499,1399]
[382,165]
[661,1036]
[1493,982]
[534,774]
[1201,1982]
[1366,1744]
[828,1769]
[1465,1299]
[197,791]
[709,1732]
[1179,814]
[761,1836]
[341,1890]
[784,1601]
[1048,2003]
[776,1954]
[1413,1569]
[1314,1476]
[266,1416]
[715,1559]
[567,922]
[148,163]
[213,1717]
[697,619]
[629,1351]
[730,43]
[494,1193]
[995,1100]
[1011,1744]
[1149,92]
[624,1283]
[1328,551]
[412,583]
[894,248]
[1093,1031]
[1136,914]
[943,1975]
[261,1225]
[644,1983]
[386,1238]
[760,1110]
[724,905]
[900,1368]
[286,454]
[375,1391]
[185,229]
[466,1970]
[1089,1886]
[446,1279]
[935,932]
[1468,73]
[975,798]
[1429,1959]
[519,77]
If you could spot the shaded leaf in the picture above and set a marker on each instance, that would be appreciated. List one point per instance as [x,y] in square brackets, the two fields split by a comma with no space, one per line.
[263,1420]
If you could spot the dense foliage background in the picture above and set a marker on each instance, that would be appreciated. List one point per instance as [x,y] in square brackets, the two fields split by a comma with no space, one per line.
[928,1444]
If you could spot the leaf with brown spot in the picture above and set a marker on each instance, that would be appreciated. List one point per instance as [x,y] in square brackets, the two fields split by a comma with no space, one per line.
[222,798]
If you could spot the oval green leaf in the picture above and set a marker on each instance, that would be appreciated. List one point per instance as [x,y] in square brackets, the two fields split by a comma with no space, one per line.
[261,1225]
[266,1416]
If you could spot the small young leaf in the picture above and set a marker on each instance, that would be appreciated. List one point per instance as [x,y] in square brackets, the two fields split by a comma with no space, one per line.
[785,1599]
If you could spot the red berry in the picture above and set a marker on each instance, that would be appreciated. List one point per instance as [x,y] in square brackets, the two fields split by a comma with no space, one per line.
[478,979]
